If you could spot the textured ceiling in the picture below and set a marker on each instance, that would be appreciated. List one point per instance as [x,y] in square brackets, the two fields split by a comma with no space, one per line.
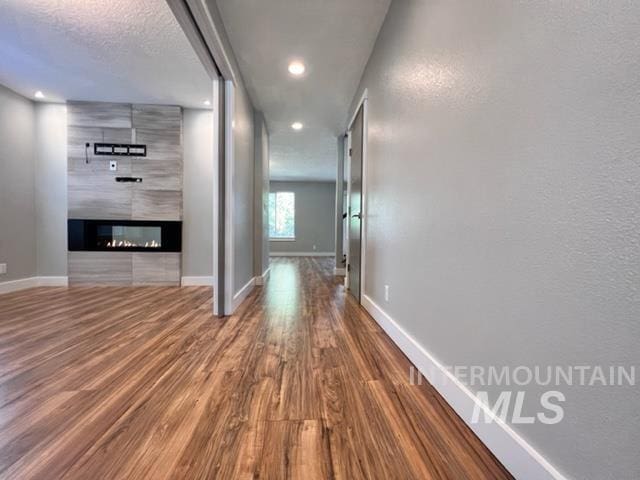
[107,50]
[334,39]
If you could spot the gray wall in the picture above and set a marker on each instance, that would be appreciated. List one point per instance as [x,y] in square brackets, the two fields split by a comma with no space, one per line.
[315,217]
[504,186]
[243,187]
[197,227]
[17,188]
[261,196]
[51,188]
[37,134]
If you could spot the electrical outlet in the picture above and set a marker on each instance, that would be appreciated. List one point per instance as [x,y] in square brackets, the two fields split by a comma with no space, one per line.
[386,293]
[113,165]
[3,268]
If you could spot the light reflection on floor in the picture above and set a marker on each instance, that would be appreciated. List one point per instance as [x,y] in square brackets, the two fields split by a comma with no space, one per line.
[283,290]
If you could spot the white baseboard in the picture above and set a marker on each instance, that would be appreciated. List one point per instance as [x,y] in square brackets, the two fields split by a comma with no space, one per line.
[239,297]
[520,458]
[53,281]
[262,279]
[191,281]
[21,284]
[31,282]
[339,271]
[301,254]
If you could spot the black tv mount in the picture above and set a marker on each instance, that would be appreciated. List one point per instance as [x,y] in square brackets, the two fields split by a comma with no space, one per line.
[119,149]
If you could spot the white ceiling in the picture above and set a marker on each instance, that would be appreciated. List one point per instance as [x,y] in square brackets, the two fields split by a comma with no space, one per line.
[334,39]
[106,50]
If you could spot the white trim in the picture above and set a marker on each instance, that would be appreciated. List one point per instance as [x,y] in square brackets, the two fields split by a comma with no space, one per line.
[210,32]
[365,96]
[301,254]
[196,281]
[32,282]
[215,85]
[282,239]
[262,279]
[363,207]
[339,271]
[239,297]
[20,284]
[364,102]
[186,21]
[520,458]
[339,220]
[347,166]
[49,281]
[229,299]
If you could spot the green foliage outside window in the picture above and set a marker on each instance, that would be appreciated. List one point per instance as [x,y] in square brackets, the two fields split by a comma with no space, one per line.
[282,215]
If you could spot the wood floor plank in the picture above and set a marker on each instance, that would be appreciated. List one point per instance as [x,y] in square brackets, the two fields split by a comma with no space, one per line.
[295,449]
[145,383]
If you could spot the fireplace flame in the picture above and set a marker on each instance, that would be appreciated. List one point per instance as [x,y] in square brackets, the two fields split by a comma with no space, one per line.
[129,244]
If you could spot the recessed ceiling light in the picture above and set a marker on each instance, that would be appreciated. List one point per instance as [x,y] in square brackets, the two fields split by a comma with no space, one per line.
[207,103]
[296,126]
[39,94]
[296,68]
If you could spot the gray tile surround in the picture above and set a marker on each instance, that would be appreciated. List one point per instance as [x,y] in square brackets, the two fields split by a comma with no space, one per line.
[93,192]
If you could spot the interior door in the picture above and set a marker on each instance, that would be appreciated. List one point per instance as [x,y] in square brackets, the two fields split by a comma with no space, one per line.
[355,204]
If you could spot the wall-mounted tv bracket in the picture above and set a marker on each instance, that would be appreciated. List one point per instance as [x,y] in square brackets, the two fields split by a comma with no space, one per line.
[120,149]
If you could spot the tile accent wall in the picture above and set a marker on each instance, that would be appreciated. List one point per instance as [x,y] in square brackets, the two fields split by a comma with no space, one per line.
[93,192]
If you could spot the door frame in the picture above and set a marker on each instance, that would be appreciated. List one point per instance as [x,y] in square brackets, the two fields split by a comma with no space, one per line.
[363,102]
[347,173]
[219,187]
[202,27]
[229,253]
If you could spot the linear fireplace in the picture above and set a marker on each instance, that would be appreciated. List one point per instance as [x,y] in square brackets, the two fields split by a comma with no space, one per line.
[124,235]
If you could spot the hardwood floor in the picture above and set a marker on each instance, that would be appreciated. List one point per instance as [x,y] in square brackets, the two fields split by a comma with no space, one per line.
[144,383]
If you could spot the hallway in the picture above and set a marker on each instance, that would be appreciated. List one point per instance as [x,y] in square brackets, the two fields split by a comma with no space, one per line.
[145,383]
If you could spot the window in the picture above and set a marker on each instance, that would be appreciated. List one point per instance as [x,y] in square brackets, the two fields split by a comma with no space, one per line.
[282,212]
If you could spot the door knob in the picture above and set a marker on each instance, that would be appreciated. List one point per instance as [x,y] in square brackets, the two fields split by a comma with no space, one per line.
[357,215]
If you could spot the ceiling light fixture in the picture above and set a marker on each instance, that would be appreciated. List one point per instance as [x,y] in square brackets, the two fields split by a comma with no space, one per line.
[296,68]
[207,103]
[39,94]
[296,126]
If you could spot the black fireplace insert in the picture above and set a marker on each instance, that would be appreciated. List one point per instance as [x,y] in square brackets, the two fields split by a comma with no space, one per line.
[124,235]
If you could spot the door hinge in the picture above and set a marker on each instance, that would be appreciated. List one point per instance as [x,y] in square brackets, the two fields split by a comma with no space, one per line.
[348,267]
[350,151]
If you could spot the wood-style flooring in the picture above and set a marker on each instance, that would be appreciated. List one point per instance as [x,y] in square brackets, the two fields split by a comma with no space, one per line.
[144,383]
